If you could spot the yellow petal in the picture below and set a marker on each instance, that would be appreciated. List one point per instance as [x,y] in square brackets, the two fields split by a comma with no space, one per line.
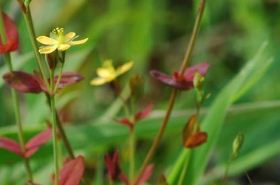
[47,49]
[124,68]
[106,73]
[46,40]
[69,36]
[107,70]
[99,81]
[78,42]
[63,47]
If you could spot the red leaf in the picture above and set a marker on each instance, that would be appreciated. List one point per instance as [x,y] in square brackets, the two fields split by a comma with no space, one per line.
[145,175]
[127,122]
[181,81]
[72,171]
[144,113]
[196,139]
[112,164]
[12,41]
[37,141]
[10,145]
[192,136]
[68,78]
[22,82]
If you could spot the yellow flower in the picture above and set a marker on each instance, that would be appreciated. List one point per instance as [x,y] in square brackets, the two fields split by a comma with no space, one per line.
[58,40]
[108,72]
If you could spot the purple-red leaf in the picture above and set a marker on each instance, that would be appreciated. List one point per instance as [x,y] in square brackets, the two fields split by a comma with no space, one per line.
[181,81]
[127,122]
[37,141]
[11,44]
[10,145]
[144,113]
[22,82]
[72,171]
[137,117]
[112,164]
[145,175]
[68,78]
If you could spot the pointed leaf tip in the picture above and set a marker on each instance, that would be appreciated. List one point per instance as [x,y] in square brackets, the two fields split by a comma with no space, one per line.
[144,113]
[72,171]
[12,41]
[22,82]
[10,145]
[145,175]
[37,141]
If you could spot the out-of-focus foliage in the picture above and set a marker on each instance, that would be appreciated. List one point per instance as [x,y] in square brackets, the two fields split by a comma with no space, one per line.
[154,34]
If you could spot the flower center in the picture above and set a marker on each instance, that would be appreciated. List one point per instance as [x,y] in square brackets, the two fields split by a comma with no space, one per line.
[59,34]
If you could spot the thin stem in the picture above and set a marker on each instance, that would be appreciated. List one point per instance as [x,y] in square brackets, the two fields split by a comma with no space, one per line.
[173,95]
[7,58]
[59,78]
[132,154]
[194,35]
[54,132]
[29,22]
[55,141]
[30,28]
[249,179]
[160,132]
[32,35]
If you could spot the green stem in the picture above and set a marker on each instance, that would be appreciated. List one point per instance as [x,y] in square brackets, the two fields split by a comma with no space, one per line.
[55,141]
[59,77]
[160,133]
[30,27]
[173,95]
[54,131]
[32,35]
[194,35]
[7,58]
[132,154]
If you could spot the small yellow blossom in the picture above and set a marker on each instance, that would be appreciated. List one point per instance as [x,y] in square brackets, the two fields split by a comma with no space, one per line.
[58,40]
[108,72]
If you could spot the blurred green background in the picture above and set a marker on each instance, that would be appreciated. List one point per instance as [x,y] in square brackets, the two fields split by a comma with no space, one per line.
[154,34]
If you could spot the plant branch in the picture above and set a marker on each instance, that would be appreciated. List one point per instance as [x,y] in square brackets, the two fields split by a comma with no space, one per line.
[173,95]
[16,106]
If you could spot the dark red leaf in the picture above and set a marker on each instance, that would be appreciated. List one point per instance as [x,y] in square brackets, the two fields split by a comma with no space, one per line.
[164,78]
[12,41]
[37,141]
[144,113]
[196,139]
[68,78]
[127,122]
[145,175]
[22,82]
[72,171]
[181,81]
[10,145]
[112,164]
